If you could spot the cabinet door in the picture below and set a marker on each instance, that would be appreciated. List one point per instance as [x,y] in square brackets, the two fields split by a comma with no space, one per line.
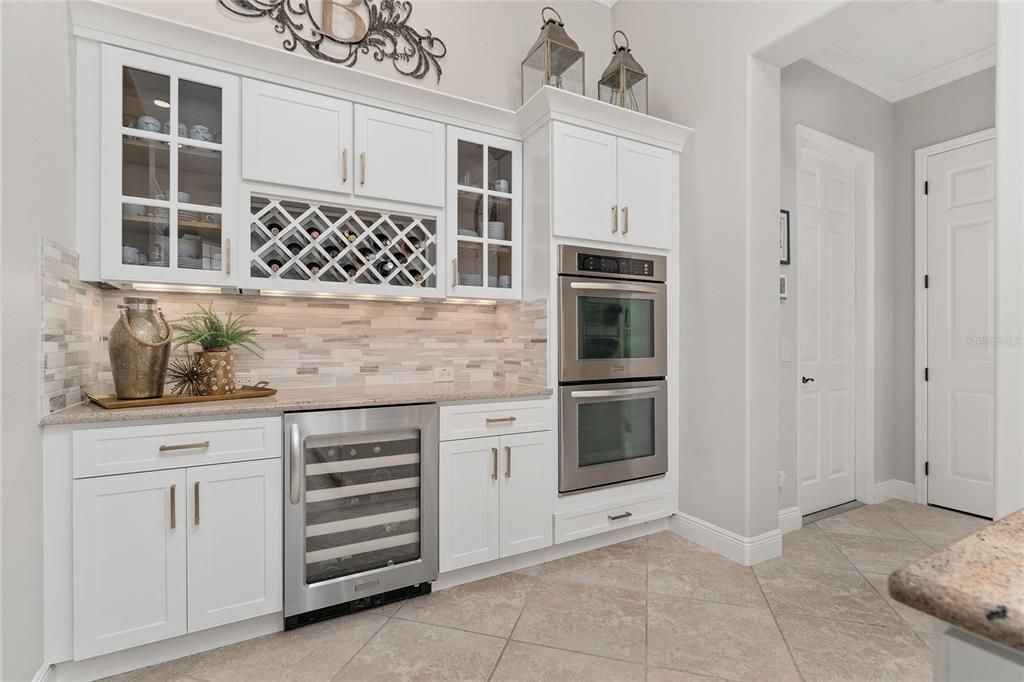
[293,137]
[527,492]
[233,518]
[468,508]
[129,572]
[647,191]
[169,168]
[584,184]
[399,157]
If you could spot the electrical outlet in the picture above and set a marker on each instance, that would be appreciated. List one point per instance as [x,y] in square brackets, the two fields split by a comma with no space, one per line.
[444,374]
[246,378]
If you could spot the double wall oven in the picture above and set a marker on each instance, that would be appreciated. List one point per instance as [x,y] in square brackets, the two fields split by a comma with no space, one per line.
[612,366]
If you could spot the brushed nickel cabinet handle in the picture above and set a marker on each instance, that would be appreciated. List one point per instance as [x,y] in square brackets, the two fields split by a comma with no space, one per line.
[174,506]
[508,462]
[500,420]
[625,220]
[494,472]
[615,218]
[196,496]
[295,485]
[344,166]
[185,446]
[362,168]
[455,272]
[227,255]
[619,517]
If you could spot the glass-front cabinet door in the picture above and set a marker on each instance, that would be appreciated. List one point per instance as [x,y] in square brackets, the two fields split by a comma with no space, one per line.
[169,169]
[484,215]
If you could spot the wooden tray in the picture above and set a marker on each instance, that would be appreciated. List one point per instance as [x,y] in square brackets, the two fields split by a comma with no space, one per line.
[109,401]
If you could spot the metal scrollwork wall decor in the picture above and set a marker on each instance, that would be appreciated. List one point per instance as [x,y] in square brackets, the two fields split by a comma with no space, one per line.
[380,30]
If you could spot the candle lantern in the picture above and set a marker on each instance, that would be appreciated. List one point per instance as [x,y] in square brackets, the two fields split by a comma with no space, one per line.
[624,82]
[555,59]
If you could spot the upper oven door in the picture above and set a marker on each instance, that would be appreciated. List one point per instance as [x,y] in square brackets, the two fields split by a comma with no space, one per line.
[611,329]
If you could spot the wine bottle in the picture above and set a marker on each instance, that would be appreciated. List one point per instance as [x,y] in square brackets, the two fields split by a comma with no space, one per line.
[295,248]
[274,265]
[349,235]
[415,274]
[314,232]
[275,229]
[367,253]
[385,266]
[313,267]
[350,270]
[333,251]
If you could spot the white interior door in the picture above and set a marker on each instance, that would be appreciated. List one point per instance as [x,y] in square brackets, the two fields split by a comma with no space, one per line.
[961,206]
[826,417]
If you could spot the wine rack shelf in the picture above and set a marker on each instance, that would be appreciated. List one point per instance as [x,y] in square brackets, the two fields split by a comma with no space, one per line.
[294,241]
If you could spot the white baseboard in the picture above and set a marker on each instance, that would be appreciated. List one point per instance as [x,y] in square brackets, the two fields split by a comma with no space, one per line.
[743,550]
[894,489]
[47,673]
[790,519]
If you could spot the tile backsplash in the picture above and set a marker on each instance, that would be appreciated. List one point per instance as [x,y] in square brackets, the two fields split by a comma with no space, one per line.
[307,341]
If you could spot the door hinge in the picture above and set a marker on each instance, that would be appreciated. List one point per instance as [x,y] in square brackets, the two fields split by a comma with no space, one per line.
[926,374]
[926,187]
[926,281]
[926,468]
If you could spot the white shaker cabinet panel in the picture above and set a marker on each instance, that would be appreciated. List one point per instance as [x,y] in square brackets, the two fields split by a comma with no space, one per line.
[527,492]
[129,556]
[469,502]
[294,137]
[399,157]
[584,183]
[647,189]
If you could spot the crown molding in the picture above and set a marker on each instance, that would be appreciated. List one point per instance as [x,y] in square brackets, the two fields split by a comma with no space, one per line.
[848,67]
[607,3]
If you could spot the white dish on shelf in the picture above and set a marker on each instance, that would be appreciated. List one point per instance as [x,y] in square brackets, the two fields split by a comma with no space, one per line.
[505,281]
[496,230]
[471,280]
[468,233]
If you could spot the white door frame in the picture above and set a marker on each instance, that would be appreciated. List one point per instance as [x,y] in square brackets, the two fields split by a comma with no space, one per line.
[864,306]
[921,300]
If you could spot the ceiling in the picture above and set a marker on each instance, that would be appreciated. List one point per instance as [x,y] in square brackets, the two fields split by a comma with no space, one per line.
[915,48]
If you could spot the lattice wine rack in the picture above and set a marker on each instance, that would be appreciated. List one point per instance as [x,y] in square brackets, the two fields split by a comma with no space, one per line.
[297,241]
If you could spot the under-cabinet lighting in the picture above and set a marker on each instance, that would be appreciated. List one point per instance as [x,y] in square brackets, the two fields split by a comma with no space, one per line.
[163,104]
[471,301]
[180,288]
[324,294]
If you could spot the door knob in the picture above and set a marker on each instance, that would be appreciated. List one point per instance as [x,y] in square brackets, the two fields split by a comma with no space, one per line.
[805,380]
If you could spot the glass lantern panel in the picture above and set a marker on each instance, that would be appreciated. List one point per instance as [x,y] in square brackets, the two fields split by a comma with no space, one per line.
[533,73]
[566,68]
[471,164]
[636,94]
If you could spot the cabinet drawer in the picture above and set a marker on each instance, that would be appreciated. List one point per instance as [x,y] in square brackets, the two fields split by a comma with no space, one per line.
[125,449]
[579,523]
[495,419]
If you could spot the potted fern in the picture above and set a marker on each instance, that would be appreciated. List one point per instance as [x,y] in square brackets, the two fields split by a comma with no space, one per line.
[216,336]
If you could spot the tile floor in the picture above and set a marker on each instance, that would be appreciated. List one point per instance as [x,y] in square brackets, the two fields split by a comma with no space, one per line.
[657,608]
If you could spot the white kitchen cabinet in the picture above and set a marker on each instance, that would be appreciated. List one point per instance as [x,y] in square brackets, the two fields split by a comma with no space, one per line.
[294,137]
[469,502]
[526,505]
[129,558]
[612,189]
[399,157]
[169,166]
[484,215]
[233,518]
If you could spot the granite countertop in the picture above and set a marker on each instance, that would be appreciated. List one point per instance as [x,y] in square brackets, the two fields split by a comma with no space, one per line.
[301,399]
[976,583]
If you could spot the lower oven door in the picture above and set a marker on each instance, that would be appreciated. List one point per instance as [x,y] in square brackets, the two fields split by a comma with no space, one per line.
[610,433]
[360,504]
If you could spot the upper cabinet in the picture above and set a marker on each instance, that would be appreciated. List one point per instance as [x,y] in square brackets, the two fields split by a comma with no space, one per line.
[399,157]
[484,215]
[293,137]
[612,189]
[169,167]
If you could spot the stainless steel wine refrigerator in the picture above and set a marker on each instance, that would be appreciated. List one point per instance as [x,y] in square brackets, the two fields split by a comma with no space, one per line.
[361,508]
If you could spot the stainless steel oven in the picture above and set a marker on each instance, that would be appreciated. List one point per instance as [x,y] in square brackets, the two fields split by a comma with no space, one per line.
[361,507]
[611,432]
[611,315]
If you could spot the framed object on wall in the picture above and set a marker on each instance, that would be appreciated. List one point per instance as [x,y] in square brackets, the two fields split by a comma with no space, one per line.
[784,237]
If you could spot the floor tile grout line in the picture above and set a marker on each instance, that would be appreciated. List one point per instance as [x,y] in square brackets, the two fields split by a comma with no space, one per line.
[778,627]
[351,658]
[508,640]
[578,652]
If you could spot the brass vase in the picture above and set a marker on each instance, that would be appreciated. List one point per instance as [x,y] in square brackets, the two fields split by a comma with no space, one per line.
[220,362]
[140,346]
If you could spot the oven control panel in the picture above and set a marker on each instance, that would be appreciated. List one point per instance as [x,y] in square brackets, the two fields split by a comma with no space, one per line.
[612,265]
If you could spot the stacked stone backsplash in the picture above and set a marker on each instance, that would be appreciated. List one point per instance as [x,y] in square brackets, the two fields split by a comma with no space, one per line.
[308,341]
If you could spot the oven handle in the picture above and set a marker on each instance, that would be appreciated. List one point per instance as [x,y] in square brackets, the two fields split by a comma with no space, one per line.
[613,393]
[619,286]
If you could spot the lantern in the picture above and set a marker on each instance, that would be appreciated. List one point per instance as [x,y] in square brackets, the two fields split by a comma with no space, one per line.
[624,82]
[555,59]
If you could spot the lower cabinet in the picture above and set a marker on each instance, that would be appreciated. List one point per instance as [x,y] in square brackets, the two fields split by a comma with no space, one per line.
[164,553]
[496,497]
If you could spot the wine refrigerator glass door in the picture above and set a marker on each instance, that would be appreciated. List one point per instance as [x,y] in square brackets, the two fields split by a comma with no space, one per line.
[362,512]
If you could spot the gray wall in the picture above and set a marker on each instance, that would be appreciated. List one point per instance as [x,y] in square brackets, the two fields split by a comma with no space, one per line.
[818,99]
[962,107]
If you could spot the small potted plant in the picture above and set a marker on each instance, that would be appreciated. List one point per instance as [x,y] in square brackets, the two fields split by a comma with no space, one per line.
[216,335]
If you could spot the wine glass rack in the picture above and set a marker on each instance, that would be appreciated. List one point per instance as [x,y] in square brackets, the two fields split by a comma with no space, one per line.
[298,241]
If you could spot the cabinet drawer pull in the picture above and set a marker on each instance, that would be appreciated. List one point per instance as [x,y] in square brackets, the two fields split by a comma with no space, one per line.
[494,472]
[344,166]
[362,168]
[196,496]
[508,462]
[619,517]
[625,220]
[615,218]
[227,255]
[455,272]
[185,446]
[174,506]
[500,420]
